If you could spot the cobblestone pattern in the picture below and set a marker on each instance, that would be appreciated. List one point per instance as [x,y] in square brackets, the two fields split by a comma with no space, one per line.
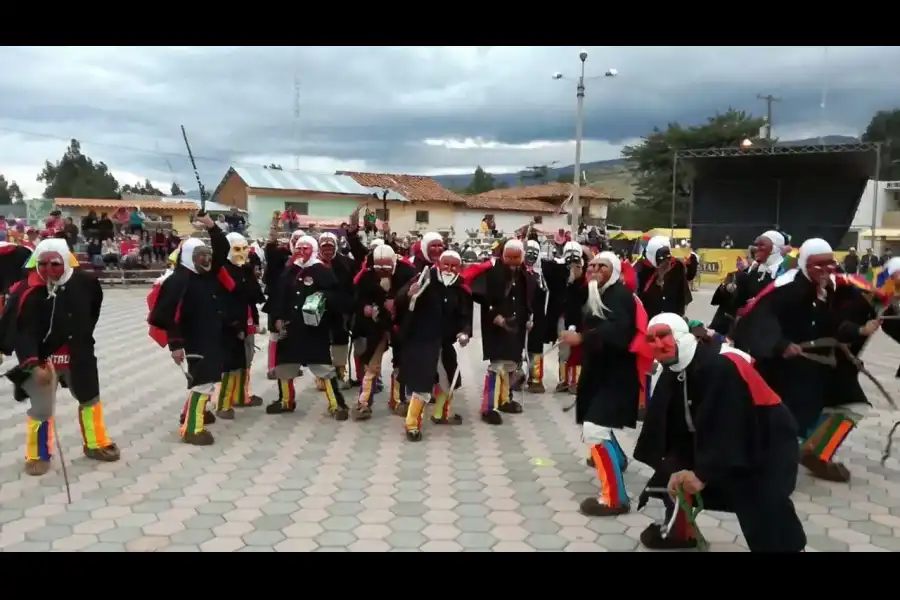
[302,482]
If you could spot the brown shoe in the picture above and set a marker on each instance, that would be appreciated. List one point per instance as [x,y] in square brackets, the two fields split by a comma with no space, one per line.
[562,386]
[652,539]
[826,471]
[592,507]
[511,408]
[535,387]
[278,408]
[204,438]
[228,415]
[492,418]
[414,435]
[451,420]
[362,413]
[401,409]
[341,413]
[109,454]
[36,468]
[251,402]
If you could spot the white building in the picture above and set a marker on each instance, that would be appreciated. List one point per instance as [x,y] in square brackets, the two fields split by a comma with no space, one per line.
[880,203]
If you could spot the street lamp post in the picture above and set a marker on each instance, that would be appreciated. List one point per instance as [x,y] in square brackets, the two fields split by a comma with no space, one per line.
[579,136]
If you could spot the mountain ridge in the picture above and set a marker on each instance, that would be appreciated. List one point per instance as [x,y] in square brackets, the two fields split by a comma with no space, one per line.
[513,178]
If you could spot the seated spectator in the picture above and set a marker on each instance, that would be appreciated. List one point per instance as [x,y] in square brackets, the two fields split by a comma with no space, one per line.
[146,248]
[136,220]
[95,252]
[159,245]
[127,245]
[110,253]
[236,221]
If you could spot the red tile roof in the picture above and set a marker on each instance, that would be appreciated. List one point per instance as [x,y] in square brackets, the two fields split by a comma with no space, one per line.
[547,192]
[415,188]
[510,204]
[187,206]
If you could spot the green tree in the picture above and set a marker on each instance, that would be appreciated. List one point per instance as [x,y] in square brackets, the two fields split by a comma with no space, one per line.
[651,161]
[564,178]
[77,176]
[885,127]
[536,175]
[274,166]
[145,189]
[482,181]
[176,190]
[9,191]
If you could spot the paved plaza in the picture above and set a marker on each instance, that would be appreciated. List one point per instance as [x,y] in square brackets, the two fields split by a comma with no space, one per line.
[302,482]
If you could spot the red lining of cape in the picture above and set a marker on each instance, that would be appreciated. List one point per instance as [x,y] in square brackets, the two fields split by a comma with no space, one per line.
[759,390]
[639,346]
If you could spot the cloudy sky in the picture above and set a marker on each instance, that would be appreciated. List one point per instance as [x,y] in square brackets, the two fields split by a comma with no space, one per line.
[426,110]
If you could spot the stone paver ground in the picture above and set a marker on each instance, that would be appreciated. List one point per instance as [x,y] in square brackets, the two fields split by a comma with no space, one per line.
[303,482]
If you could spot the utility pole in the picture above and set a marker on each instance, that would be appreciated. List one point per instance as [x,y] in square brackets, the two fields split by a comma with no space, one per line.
[297,121]
[769,100]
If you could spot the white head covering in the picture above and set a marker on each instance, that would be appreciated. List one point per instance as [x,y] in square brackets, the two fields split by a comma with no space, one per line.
[776,238]
[295,237]
[383,251]
[811,247]
[234,238]
[614,263]
[59,246]
[429,238]
[187,253]
[684,339]
[893,265]
[514,245]
[314,259]
[376,243]
[595,291]
[654,245]
[327,235]
[774,261]
[449,279]
[572,248]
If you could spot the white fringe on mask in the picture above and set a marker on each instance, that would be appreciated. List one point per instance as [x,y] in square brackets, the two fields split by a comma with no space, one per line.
[595,304]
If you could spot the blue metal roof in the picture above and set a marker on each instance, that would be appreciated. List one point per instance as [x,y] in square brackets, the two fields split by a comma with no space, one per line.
[275,179]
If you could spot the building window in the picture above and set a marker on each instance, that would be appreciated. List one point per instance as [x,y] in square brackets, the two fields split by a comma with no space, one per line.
[538,219]
[585,211]
[301,208]
[383,214]
[421,216]
[568,219]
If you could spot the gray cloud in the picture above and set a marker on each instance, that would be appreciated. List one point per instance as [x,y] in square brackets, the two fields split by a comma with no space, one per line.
[374,107]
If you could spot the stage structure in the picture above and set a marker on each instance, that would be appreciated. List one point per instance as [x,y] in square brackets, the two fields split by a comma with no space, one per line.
[806,191]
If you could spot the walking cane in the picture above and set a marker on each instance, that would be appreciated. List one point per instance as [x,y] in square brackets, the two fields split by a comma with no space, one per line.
[59,449]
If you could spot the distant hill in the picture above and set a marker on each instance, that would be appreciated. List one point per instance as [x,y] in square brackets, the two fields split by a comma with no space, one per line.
[612,175]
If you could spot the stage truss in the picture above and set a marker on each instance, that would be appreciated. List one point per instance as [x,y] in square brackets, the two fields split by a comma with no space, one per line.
[778,150]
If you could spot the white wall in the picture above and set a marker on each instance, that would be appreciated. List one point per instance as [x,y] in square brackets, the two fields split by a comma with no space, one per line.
[507,221]
[863,217]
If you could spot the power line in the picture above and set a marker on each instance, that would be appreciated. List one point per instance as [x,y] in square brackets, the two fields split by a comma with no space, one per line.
[156,152]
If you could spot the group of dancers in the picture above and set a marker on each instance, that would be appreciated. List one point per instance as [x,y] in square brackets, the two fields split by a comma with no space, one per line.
[725,417]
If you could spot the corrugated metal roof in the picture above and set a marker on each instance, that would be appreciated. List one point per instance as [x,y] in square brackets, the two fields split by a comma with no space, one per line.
[275,179]
[210,205]
[392,194]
